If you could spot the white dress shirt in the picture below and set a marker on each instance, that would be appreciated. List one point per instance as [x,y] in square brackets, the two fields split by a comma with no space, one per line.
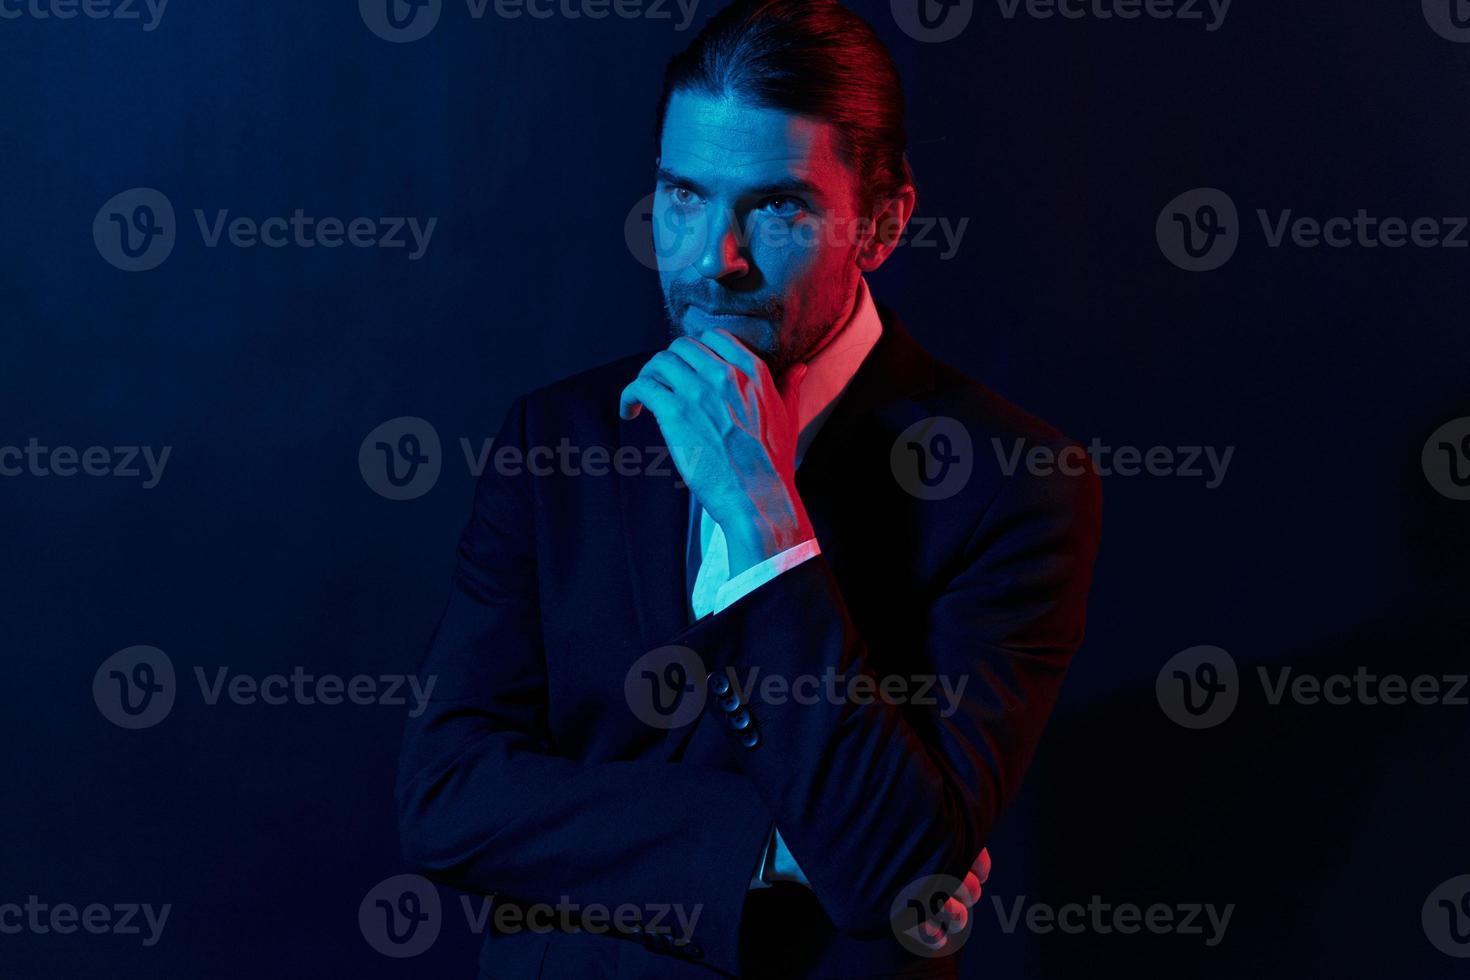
[829,371]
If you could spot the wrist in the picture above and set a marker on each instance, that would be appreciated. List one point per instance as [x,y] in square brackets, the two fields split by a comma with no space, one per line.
[758,537]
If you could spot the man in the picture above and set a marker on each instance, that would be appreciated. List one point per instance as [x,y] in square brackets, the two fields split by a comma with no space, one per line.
[710,689]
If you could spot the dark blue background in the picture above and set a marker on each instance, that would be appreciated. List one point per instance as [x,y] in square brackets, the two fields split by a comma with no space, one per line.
[263,548]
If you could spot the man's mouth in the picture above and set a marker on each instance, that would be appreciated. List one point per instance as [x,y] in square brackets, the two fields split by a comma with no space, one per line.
[728,314]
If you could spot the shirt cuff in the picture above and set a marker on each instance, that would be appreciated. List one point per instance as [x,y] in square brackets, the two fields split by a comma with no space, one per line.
[757,575]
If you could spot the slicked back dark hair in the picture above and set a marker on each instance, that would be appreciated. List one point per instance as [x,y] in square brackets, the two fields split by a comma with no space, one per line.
[814,58]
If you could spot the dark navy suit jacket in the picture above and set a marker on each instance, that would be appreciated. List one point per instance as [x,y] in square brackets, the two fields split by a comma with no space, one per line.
[530,777]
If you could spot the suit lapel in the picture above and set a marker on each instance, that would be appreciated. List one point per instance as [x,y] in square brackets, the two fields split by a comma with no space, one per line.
[896,367]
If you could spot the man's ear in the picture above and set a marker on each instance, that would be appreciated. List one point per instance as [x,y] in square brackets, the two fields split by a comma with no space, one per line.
[889,218]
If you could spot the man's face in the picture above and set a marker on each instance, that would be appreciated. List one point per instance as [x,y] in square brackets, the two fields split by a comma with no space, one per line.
[755,225]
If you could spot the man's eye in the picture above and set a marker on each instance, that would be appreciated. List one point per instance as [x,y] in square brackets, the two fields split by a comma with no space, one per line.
[683,197]
[785,207]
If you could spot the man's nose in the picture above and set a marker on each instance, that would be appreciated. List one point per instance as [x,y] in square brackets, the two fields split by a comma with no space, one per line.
[724,251]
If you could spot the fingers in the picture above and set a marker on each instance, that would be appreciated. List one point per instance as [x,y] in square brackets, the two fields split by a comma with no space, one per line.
[969,892]
[726,345]
[981,867]
[950,919]
[705,362]
[644,391]
[954,914]
[712,359]
[670,370]
[790,388]
[666,372]
[932,935]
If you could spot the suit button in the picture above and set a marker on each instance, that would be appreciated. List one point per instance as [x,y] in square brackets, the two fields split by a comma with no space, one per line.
[750,738]
[740,720]
[730,701]
[719,683]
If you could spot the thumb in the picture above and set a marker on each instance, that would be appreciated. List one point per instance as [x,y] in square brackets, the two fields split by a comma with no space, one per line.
[790,388]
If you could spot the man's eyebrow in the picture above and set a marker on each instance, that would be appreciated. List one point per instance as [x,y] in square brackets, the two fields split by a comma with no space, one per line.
[790,185]
[667,176]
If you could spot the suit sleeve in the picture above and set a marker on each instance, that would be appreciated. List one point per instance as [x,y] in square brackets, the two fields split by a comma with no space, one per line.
[870,794]
[486,804]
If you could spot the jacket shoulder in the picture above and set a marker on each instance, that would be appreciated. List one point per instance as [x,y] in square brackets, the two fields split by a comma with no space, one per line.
[596,388]
[990,414]
[1019,454]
